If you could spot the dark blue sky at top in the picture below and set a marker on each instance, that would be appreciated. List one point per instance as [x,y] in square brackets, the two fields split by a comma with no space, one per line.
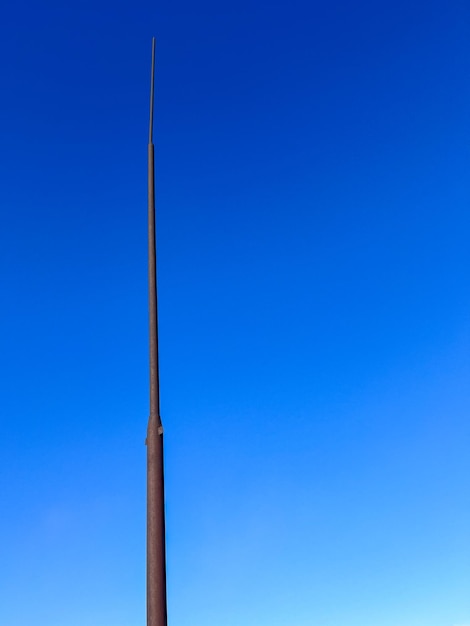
[313,226]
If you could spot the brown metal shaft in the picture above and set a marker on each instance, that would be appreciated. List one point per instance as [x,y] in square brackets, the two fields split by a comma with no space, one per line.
[156,560]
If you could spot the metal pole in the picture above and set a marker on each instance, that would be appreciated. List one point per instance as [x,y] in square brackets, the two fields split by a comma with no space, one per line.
[156,562]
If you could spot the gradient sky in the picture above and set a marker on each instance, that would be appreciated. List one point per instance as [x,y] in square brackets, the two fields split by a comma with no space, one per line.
[313,250]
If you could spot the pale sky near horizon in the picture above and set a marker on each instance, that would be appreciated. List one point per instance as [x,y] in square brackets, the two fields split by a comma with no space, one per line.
[313,256]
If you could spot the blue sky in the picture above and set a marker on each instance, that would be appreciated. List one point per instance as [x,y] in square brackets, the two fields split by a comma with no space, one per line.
[313,226]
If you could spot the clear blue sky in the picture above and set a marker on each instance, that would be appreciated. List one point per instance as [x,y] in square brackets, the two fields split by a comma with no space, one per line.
[313,248]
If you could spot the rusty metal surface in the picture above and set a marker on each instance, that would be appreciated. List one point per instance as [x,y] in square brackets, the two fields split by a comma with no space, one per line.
[156,559]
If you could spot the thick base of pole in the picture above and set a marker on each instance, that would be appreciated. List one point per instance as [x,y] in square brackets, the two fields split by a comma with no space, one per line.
[156,559]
